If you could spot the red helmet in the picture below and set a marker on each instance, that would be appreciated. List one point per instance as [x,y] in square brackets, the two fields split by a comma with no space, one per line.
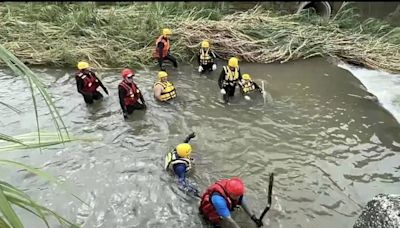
[235,186]
[127,73]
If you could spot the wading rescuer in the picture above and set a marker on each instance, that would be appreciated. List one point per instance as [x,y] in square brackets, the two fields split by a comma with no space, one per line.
[162,51]
[248,86]
[206,58]
[129,94]
[163,89]
[179,163]
[87,83]
[221,198]
[229,77]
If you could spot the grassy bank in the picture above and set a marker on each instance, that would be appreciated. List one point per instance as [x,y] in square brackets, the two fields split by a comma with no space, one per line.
[124,35]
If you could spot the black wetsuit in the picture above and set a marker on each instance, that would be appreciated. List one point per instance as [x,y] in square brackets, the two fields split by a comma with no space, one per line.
[229,88]
[89,97]
[208,66]
[256,87]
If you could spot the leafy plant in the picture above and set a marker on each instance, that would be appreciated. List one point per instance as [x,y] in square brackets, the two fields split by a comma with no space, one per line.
[10,196]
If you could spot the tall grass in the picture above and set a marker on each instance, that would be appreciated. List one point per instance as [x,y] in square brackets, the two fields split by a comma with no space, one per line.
[10,196]
[121,35]
[34,82]
[10,107]
[30,141]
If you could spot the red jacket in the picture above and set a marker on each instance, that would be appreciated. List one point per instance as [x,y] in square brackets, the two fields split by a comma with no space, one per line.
[207,209]
[132,93]
[90,82]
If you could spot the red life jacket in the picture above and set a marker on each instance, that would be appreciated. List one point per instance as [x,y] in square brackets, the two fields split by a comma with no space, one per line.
[90,83]
[206,207]
[165,49]
[132,93]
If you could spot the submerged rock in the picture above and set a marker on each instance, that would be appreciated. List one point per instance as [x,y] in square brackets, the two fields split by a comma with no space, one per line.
[383,211]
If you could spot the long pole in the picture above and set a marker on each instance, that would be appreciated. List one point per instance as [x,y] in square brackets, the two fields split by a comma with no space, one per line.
[270,185]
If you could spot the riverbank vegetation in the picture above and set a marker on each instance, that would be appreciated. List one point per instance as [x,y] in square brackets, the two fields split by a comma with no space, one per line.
[119,35]
[11,197]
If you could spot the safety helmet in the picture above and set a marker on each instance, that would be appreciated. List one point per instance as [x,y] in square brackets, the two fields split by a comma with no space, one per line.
[246,77]
[83,65]
[183,150]
[162,74]
[205,44]
[233,62]
[166,32]
[127,73]
[235,187]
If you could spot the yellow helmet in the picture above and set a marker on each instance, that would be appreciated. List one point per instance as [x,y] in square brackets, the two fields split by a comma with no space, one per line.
[166,32]
[233,62]
[83,65]
[246,77]
[205,44]
[183,150]
[162,74]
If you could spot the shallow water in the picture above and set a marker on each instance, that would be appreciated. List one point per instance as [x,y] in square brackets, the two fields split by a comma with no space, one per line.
[331,151]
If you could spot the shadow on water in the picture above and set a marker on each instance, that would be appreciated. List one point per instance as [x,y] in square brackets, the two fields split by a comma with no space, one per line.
[331,150]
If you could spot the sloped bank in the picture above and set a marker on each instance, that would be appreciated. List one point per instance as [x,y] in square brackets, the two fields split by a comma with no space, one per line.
[118,36]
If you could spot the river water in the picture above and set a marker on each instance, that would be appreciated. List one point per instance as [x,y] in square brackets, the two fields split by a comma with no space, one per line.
[331,149]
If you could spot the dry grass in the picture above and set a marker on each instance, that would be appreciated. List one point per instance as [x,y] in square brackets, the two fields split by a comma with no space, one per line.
[119,36]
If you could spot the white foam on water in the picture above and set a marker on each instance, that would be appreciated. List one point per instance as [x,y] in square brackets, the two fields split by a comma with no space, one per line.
[385,86]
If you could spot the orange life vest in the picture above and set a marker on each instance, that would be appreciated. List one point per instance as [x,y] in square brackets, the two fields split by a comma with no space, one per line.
[165,49]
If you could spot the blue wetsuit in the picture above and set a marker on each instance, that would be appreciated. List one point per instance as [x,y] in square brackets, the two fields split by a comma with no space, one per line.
[180,171]
[220,205]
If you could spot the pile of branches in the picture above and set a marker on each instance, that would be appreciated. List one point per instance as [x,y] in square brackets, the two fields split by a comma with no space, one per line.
[119,36]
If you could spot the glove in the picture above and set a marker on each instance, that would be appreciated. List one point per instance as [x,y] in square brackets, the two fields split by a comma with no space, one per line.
[125,115]
[247,97]
[214,66]
[105,90]
[192,135]
[223,91]
[257,221]
[200,69]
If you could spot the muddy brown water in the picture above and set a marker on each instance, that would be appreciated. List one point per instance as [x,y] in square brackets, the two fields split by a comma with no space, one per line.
[331,151]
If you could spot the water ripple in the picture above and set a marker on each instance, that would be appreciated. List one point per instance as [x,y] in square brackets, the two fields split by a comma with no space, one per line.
[330,152]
